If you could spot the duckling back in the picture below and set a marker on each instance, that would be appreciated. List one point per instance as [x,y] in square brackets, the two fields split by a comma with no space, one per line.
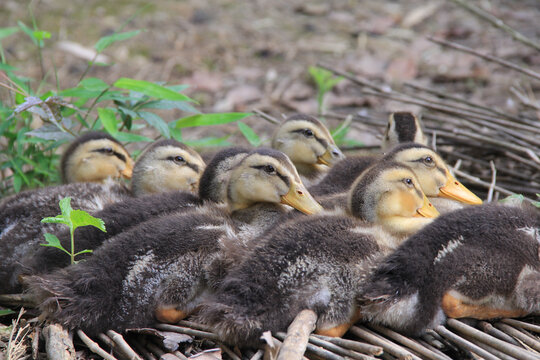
[477,262]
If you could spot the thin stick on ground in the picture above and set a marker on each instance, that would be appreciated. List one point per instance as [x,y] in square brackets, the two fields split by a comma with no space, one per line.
[294,344]
[338,349]
[187,331]
[94,346]
[266,116]
[387,345]
[498,23]
[315,350]
[492,350]
[491,58]
[507,348]
[491,330]
[353,345]
[523,325]
[123,346]
[526,339]
[464,343]
[493,181]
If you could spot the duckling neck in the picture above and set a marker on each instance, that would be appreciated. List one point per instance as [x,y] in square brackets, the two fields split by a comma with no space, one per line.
[403,227]
[311,173]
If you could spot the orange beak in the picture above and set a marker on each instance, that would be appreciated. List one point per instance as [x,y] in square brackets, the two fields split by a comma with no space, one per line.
[427,210]
[299,198]
[128,170]
[455,190]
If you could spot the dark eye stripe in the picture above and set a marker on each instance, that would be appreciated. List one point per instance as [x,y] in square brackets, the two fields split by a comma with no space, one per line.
[285,179]
[193,166]
[115,153]
[323,142]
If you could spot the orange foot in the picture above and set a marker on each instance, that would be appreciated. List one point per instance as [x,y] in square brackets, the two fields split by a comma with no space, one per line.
[170,315]
[339,330]
[455,308]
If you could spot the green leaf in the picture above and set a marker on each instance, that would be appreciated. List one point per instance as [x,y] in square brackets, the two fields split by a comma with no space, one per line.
[28,32]
[80,93]
[210,119]
[40,35]
[108,119]
[250,135]
[65,208]
[52,241]
[168,105]
[82,218]
[107,41]
[515,197]
[4,312]
[208,141]
[157,122]
[94,84]
[17,182]
[151,89]
[129,137]
[6,67]
[85,251]
[5,32]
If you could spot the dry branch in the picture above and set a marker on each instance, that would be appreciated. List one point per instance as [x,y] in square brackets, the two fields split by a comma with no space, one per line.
[58,343]
[507,348]
[488,328]
[387,345]
[521,324]
[464,343]
[187,331]
[123,346]
[492,350]
[498,23]
[266,117]
[338,349]
[526,339]
[353,345]
[93,346]
[294,344]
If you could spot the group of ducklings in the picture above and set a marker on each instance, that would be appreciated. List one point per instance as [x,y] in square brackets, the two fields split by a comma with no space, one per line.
[230,243]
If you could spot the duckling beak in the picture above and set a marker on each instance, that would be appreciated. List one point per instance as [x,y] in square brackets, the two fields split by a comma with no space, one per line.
[331,156]
[299,198]
[128,170]
[427,210]
[455,190]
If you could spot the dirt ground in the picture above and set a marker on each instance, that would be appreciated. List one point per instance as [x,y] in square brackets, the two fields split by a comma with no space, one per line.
[237,55]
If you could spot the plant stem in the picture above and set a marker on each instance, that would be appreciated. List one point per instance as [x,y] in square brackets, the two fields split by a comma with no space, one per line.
[72,254]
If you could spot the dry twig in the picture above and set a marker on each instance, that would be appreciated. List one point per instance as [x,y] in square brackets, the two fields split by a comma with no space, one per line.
[294,344]
[58,343]
[93,346]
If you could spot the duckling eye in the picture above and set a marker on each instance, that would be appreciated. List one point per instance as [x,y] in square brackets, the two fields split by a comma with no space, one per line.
[428,160]
[108,150]
[408,181]
[177,159]
[308,133]
[269,169]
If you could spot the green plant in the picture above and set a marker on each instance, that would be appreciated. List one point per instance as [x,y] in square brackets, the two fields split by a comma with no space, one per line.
[325,81]
[73,219]
[36,122]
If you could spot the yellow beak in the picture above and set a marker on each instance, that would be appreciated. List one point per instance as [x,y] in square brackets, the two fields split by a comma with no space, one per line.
[331,156]
[128,170]
[299,198]
[455,190]
[427,210]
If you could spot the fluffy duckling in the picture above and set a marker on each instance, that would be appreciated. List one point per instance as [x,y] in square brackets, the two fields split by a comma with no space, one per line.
[23,232]
[318,262]
[121,216]
[433,175]
[309,145]
[157,269]
[403,127]
[480,262]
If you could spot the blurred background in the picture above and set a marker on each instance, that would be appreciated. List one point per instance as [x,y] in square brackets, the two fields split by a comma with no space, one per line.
[240,55]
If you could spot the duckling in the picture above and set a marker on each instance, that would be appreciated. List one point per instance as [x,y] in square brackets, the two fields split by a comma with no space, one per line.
[403,127]
[318,262]
[433,175]
[480,262]
[121,216]
[23,231]
[157,269]
[309,145]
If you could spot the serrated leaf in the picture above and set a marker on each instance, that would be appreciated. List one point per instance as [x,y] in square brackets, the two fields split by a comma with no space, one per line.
[108,119]
[82,218]
[249,134]
[129,137]
[108,40]
[52,241]
[94,84]
[151,89]
[5,32]
[210,119]
[157,122]
[65,208]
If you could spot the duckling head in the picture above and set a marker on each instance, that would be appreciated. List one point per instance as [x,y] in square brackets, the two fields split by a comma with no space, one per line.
[307,142]
[167,165]
[389,194]
[268,176]
[432,172]
[213,184]
[402,127]
[95,157]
